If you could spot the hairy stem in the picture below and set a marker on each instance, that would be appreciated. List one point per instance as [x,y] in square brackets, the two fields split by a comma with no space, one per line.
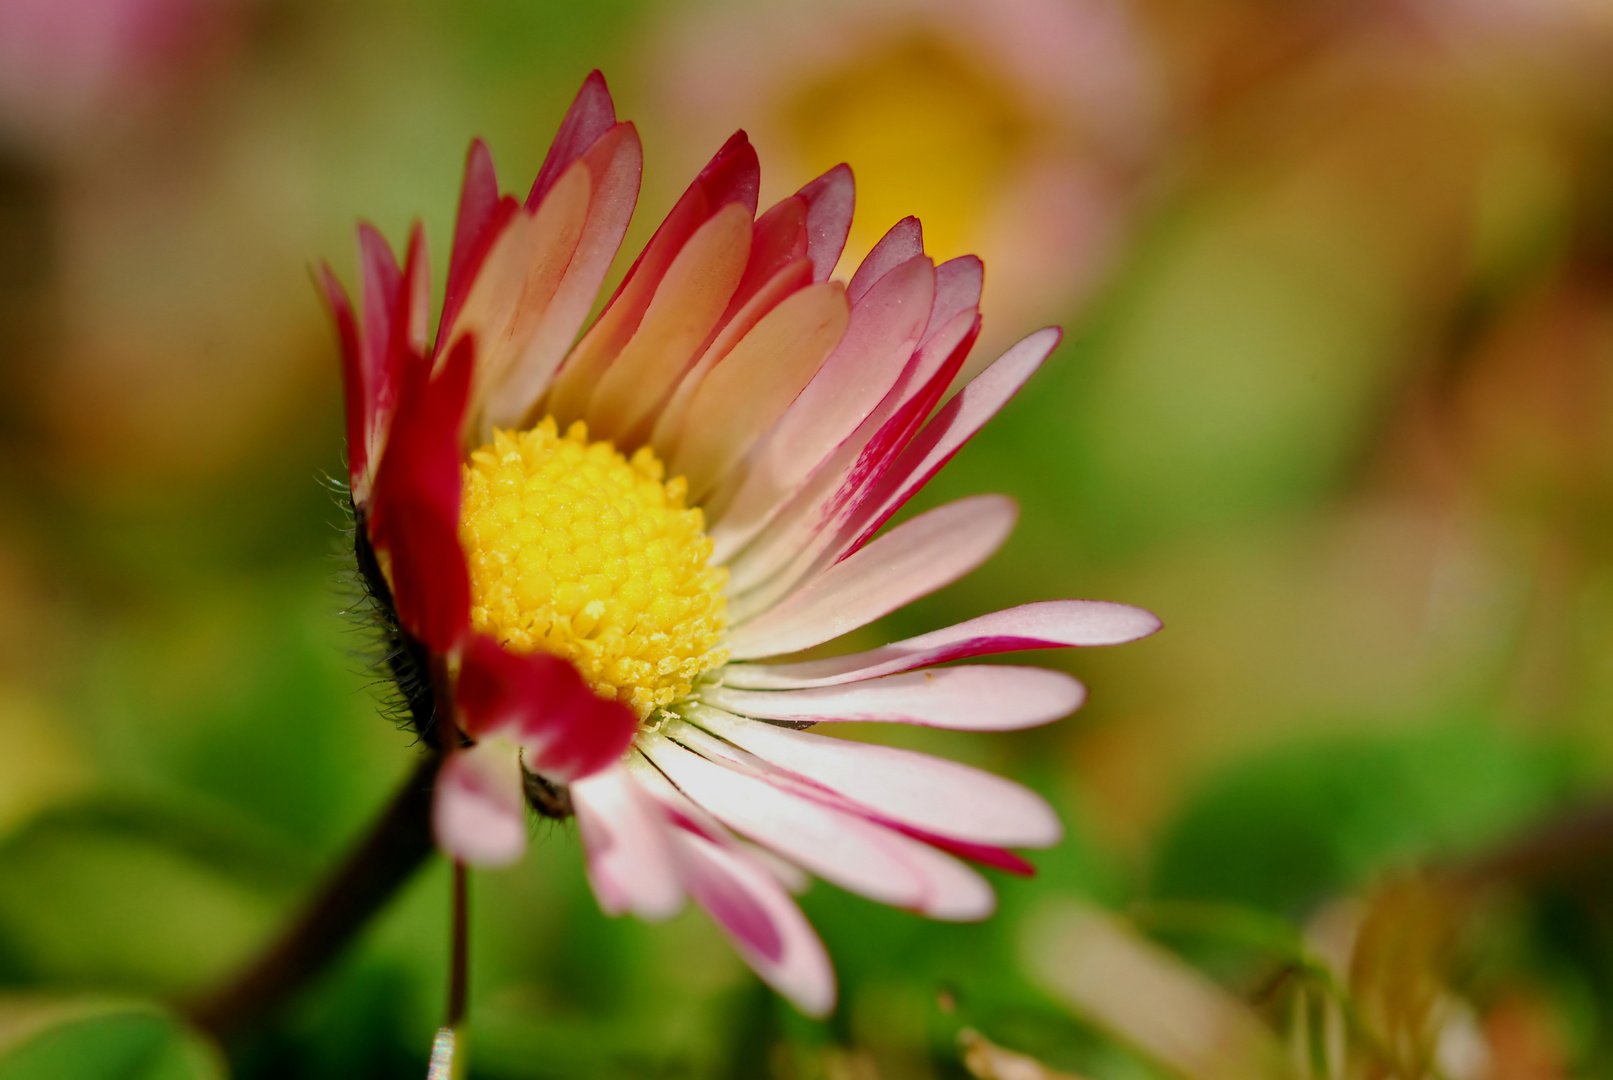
[396,846]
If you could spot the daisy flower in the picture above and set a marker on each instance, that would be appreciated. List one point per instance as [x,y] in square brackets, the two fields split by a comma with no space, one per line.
[594,548]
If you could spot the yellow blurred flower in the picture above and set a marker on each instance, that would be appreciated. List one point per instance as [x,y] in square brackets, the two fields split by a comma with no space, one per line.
[1019,129]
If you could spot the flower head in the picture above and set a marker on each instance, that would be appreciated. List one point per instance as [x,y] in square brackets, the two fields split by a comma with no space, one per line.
[598,544]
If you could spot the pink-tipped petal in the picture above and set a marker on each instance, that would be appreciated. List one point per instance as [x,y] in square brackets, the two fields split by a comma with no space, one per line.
[354,384]
[901,786]
[746,393]
[613,166]
[592,113]
[788,281]
[779,238]
[684,311]
[954,892]
[630,862]
[945,434]
[478,812]
[761,920]
[830,201]
[837,846]
[482,216]
[946,888]
[904,241]
[379,282]
[411,320]
[878,344]
[540,703]
[804,535]
[1050,624]
[957,289]
[913,560]
[732,176]
[513,289]
[972,697]
[414,508]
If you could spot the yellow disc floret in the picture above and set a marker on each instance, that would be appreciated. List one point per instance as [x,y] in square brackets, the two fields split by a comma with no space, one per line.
[581,552]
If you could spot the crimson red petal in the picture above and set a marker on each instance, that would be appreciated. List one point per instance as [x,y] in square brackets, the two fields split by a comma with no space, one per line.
[540,702]
[830,200]
[379,282]
[733,175]
[414,516]
[592,113]
[904,456]
[482,216]
[354,391]
[779,237]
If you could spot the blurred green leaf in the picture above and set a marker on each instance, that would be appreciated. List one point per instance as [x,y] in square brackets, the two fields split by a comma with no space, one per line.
[100,1039]
[132,896]
[1284,829]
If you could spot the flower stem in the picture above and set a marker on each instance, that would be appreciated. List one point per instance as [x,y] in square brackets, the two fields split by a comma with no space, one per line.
[459,963]
[396,846]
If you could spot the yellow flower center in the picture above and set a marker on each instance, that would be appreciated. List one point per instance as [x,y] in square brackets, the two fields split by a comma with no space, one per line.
[581,552]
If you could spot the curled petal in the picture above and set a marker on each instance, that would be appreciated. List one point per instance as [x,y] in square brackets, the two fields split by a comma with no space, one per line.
[538,702]
[1050,624]
[970,697]
[478,812]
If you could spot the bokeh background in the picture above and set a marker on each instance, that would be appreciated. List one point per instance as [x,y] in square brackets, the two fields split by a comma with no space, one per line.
[1335,402]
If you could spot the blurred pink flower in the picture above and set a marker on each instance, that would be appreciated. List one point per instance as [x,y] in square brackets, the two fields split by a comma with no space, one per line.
[69,66]
[1020,129]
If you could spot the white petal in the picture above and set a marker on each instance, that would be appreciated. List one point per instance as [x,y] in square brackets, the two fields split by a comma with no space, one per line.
[625,834]
[1051,624]
[478,809]
[973,697]
[835,845]
[928,793]
[785,544]
[912,560]
[954,890]
[760,919]
[948,888]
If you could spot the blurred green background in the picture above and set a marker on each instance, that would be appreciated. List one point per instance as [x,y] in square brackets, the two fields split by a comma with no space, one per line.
[1334,401]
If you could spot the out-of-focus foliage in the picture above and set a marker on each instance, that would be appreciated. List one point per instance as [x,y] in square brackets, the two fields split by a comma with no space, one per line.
[1335,402]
